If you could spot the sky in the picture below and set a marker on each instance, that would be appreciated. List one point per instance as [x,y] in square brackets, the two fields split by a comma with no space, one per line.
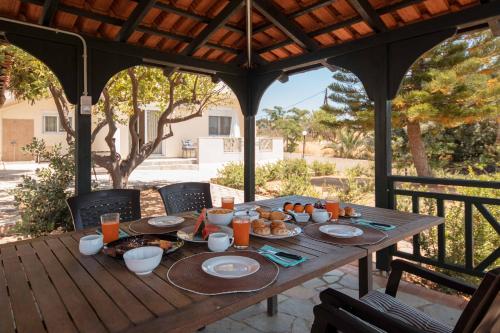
[304,91]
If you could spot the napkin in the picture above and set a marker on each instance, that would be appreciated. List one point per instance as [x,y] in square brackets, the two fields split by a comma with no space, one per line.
[285,263]
[368,224]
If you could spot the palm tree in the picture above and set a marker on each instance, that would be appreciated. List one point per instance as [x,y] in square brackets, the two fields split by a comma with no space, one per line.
[349,144]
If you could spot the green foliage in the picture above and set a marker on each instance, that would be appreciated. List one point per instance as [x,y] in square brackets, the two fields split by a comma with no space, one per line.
[36,148]
[323,168]
[287,123]
[349,143]
[42,199]
[231,175]
[352,189]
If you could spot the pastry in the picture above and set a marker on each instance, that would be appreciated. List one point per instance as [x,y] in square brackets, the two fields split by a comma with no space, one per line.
[264,214]
[341,212]
[277,216]
[280,231]
[349,211]
[259,223]
[278,224]
[263,231]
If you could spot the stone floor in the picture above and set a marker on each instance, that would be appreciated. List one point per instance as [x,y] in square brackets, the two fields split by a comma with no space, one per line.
[295,306]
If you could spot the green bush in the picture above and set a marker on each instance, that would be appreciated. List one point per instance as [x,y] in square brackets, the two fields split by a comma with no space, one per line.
[41,199]
[36,148]
[352,190]
[323,168]
[360,171]
[231,175]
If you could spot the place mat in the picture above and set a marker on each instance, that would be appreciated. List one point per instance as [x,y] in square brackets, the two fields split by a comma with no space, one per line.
[370,236]
[142,226]
[188,275]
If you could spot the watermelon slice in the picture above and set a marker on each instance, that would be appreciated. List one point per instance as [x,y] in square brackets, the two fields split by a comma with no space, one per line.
[209,229]
[200,224]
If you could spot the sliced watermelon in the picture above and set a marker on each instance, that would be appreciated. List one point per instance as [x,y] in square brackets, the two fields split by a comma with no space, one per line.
[200,224]
[209,229]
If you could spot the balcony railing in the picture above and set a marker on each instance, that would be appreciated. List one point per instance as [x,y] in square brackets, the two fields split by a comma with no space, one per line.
[439,198]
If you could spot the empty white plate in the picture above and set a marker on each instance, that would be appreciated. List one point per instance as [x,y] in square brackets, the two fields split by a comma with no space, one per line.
[340,230]
[230,267]
[165,221]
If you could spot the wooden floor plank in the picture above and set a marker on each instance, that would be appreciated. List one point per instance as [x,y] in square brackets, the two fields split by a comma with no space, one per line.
[109,313]
[6,319]
[25,311]
[82,313]
[129,304]
[50,304]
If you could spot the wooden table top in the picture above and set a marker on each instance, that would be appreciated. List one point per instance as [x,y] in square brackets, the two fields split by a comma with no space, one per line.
[47,285]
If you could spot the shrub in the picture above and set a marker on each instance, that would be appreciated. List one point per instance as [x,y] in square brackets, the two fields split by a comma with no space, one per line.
[352,190]
[231,175]
[360,171]
[42,199]
[323,168]
[36,148]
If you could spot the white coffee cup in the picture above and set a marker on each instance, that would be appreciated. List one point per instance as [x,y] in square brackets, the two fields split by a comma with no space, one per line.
[219,242]
[91,244]
[321,215]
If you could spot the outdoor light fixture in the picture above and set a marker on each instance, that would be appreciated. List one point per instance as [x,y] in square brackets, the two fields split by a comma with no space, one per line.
[283,78]
[304,133]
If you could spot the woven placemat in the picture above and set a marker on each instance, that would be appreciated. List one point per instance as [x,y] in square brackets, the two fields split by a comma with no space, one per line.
[188,275]
[142,226]
[370,236]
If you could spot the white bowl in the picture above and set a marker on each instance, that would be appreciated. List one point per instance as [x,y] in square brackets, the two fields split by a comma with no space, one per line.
[91,244]
[143,260]
[220,219]
[251,214]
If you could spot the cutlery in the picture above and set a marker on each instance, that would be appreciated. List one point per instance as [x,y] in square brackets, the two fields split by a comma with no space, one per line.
[289,261]
[283,254]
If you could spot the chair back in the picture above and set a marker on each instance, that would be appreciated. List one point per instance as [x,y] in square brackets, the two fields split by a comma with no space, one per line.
[484,300]
[86,209]
[185,197]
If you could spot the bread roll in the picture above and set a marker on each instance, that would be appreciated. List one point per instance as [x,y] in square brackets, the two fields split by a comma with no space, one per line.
[278,224]
[277,216]
[341,212]
[349,211]
[259,223]
[265,214]
[264,231]
[280,231]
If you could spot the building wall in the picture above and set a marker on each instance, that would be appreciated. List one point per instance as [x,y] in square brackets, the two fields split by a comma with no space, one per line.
[24,110]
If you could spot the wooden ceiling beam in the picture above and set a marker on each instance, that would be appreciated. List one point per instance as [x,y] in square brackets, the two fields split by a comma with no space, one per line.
[135,18]
[369,15]
[49,10]
[289,28]
[213,26]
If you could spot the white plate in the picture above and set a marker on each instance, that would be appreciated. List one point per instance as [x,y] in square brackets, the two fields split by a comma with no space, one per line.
[293,230]
[230,267]
[165,221]
[186,234]
[340,230]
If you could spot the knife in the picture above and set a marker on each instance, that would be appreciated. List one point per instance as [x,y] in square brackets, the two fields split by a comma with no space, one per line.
[380,224]
[284,254]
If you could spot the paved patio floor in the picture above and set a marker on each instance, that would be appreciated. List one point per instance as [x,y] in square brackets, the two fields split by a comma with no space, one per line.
[295,306]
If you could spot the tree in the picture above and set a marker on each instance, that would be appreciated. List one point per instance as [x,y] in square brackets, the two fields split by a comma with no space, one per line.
[179,96]
[287,123]
[6,59]
[453,84]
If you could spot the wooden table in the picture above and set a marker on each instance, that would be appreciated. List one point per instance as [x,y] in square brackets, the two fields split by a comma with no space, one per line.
[47,285]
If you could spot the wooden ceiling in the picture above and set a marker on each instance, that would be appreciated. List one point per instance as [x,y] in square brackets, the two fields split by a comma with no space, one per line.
[215,29]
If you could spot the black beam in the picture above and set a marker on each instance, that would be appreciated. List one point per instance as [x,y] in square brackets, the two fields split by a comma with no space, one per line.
[49,10]
[446,181]
[140,10]
[289,28]
[368,13]
[213,26]
[339,25]
[478,14]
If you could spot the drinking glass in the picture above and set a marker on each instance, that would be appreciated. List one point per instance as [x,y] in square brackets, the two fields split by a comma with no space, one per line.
[332,205]
[110,226]
[241,229]
[227,202]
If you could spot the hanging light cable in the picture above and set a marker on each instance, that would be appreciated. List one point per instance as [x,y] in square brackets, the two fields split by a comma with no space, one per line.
[249,31]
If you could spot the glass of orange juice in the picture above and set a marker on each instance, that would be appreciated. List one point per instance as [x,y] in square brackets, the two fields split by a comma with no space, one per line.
[110,226]
[332,205]
[227,202]
[241,228]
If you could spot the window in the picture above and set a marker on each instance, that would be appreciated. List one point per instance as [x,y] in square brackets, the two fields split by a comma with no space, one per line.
[219,125]
[70,121]
[50,124]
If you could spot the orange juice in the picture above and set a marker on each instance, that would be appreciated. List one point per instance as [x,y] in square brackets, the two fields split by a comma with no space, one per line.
[333,206]
[110,224]
[241,228]
[227,202]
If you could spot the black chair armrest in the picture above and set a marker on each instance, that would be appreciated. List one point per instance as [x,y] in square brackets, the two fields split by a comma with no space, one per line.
[326,317]
[399,266]
[338,300]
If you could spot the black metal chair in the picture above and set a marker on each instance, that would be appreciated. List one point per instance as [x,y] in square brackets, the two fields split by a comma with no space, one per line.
[382,312]
[86,209]
[185,197]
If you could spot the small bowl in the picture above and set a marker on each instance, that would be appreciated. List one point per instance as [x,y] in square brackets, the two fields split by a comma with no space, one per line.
[301,217]
[143,260]
[220,218]
[252,214]
[91,244]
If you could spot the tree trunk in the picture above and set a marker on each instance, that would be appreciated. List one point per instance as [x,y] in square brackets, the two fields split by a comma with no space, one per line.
[417,149]
[116,178]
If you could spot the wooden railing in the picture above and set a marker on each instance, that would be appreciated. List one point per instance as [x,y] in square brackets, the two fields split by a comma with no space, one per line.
[440,197]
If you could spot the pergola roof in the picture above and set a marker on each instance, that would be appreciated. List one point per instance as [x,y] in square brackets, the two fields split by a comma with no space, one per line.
[214,30]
